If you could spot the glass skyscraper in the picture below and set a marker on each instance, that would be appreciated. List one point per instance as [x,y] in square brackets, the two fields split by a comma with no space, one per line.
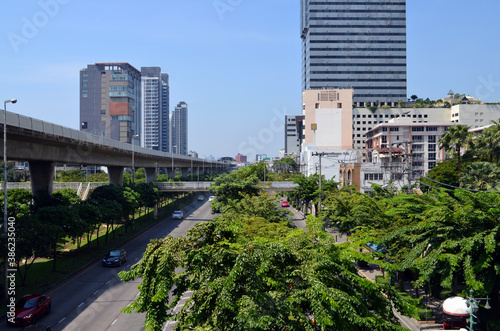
[358,44]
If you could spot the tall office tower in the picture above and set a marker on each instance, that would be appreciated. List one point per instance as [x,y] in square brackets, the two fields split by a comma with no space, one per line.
[293,134]
[155,109]
[179,129]
[358,44]
[110,101]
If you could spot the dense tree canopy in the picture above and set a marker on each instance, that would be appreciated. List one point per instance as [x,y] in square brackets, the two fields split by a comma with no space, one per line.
[248,273]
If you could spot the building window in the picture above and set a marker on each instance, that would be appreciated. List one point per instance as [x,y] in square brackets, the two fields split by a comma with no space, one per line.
[431,147]
[417,128]
[431,128]
[432,156]
[84,125]
[431,139]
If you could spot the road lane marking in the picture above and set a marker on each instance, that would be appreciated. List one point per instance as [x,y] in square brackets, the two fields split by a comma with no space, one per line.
[95,292]
[116,319]
[81,304]
[61,320]
[109,281]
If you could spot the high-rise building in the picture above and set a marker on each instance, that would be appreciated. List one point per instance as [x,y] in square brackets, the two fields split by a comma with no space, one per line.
[179,129]
[110,101]
[358,44]
[155,109]
[293,134]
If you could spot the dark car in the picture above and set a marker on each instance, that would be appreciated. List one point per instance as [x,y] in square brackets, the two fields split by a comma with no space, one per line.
[30,308]
[115,257]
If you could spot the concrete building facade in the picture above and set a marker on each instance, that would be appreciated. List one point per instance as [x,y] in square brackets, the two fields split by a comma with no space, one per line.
[110,101]
[293,134]
[179,129]
[327,118]
[358,44]
[155,109]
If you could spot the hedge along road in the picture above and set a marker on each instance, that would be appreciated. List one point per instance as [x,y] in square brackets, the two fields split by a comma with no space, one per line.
[93,298]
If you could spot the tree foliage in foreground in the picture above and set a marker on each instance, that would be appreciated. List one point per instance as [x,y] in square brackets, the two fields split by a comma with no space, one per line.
[247,273]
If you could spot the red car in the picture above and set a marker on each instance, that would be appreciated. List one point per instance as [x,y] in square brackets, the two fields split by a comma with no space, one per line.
[285,204]
[30,308]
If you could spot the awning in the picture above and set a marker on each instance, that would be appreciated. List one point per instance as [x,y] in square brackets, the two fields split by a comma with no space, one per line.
[456,306]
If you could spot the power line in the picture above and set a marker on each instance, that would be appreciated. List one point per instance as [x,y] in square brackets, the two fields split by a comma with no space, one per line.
[452,186]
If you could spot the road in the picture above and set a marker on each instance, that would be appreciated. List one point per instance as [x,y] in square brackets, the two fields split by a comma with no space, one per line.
[93,298]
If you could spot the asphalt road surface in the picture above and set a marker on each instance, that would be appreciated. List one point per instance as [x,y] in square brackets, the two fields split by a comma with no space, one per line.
[93,298]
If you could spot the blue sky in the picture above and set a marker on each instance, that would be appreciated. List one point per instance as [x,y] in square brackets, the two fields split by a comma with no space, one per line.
[235,62]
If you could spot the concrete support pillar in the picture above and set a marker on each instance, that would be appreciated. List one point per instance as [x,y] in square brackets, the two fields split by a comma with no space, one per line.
[171,173]
[184,172]
[150,175]
[115,175]
[42,177]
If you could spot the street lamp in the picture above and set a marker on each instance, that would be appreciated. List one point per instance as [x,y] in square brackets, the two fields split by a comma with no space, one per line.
[5,162]
[472,303]
[5,181]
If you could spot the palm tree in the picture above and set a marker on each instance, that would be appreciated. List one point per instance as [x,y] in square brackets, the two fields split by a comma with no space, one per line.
[456,137]
[488,142]
[483,176]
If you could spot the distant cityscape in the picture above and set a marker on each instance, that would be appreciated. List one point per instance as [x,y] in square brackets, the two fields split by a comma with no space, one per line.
[356,113]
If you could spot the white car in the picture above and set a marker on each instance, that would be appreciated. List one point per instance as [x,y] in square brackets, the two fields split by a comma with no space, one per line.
[177,215]
[211,198]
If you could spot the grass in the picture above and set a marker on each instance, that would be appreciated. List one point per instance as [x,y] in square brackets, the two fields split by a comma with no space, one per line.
[41,275]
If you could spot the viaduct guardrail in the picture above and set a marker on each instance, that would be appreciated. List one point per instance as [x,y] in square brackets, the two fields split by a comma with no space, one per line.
[83,188]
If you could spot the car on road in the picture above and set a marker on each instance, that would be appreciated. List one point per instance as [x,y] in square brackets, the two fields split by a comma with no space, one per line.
[30,308]
[210,198]
[201,198]
[114,257]
[177,215]
[285,203]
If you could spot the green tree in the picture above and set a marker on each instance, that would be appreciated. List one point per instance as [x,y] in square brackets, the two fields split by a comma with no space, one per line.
[148,195]
[98,177]
[244,279]
[285,165]
[234,186]
[454,139]
[484,176]
[67,196]
[56,222]
[444,172]
[75,175]
[487,143]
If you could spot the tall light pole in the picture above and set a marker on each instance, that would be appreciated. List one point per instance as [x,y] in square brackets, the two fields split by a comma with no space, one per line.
[5,162]
[6,286]
[473,305]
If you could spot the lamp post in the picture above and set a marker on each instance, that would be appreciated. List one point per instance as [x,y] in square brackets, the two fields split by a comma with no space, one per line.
[5,183]
[5,162]
[472,303]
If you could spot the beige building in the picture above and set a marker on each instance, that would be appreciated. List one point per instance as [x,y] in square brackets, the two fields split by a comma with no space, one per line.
[328,118]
